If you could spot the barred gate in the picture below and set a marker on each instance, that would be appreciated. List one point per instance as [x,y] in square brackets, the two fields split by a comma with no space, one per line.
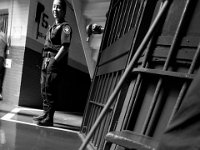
[165,71]
[154,90]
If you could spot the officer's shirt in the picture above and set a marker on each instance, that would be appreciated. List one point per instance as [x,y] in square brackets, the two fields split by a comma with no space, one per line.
[58,35]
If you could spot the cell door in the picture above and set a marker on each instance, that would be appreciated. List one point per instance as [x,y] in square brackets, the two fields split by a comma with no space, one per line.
[163,73]
[123,22]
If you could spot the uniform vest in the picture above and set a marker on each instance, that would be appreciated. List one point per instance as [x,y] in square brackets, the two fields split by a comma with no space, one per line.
[53,37]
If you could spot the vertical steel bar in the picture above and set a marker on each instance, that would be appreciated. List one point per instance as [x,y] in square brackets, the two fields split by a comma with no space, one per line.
[97,100]
[100,93]
[127,22]
[176,36]
[137,24]
[118,21]
[101,97]
[117,11]
[90,105]
[106,35]
[133,12]
[96,96]
[124,17]
[108,116]
[112,27]
[185,85]
[137,86]
[87,108]
[114,79]
[126,72]
[166,65]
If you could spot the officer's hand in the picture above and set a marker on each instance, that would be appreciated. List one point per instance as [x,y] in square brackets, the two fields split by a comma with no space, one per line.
[51,65]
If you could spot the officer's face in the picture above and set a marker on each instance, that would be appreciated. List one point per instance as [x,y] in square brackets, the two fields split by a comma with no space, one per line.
[57,10]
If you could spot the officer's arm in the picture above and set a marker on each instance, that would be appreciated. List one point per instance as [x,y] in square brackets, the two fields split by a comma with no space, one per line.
[65,41]
[61,53]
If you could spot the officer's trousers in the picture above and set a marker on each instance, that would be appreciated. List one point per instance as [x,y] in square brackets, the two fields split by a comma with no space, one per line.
[49,83]
[2,71]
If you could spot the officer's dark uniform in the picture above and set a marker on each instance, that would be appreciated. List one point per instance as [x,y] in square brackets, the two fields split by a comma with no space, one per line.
[184,131]
[56,36]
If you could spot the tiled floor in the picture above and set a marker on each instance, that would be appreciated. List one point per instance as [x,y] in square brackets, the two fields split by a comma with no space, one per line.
[19,132]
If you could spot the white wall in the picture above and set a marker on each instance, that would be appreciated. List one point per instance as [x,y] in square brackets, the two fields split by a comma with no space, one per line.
[17,21]
[17,29]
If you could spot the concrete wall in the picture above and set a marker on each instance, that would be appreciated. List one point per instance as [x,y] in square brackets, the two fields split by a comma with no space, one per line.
[17,27]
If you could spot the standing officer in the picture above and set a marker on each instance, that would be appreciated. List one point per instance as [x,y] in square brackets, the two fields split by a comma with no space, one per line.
[55,55]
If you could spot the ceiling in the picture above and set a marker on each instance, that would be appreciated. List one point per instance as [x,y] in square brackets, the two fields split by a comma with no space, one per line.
[88,12]
[95,10]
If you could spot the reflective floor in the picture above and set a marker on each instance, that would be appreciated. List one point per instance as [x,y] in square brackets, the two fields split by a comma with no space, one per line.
[19,132]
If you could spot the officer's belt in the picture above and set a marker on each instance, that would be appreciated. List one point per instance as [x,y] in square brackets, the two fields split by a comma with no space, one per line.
[48,54]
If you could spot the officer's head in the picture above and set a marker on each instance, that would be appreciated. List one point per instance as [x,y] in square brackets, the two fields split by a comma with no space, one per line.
[59,9]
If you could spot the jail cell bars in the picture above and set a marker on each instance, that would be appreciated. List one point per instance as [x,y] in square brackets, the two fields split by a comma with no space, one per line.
[124,16]
[103,88]
[165,71]
[160,78]
[117,41]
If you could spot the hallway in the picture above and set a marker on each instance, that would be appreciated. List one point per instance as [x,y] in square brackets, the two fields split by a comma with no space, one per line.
[19,132]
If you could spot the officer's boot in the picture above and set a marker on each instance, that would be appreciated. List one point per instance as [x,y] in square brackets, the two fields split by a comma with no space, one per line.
[48,120]
[40,117]
[43,115]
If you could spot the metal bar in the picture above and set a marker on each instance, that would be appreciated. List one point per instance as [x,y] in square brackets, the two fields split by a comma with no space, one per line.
[176,36]
[100,93]
[138,83]
[137,24]
[185,85]
[124,18]
[102,128]
[112,27]
[107,123]
[132,14]
[105,87]
[96,91]
[99,100]
[104,37]
[92,113]
[115,36]
[111,80]
[116,3]
[125,74]
[96,133]
[127,22]
[91,92]
[111,85]
[115,23]
[166,65]
[179,75]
